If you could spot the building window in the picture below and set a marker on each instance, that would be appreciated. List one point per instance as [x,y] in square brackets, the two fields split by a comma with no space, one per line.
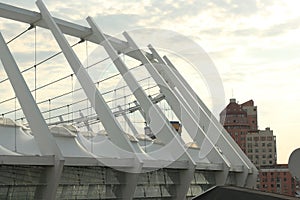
[277,179]
[270,162]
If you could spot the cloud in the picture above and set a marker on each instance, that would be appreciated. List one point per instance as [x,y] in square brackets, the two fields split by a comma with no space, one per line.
[282,28]
[116,23]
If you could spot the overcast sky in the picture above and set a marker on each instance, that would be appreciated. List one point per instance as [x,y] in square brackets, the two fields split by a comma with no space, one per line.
[254,45]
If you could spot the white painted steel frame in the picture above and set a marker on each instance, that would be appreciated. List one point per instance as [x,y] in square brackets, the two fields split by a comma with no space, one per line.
[183,113]
[111,125]
[39,128]
[109,122]
[79,31]
[225,142]
[166,134]
[58,26]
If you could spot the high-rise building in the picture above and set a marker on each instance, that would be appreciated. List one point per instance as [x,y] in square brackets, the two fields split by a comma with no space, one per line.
[261,147]
[239,119]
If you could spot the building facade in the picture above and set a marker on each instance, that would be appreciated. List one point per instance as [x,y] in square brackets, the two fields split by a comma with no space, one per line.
[261,147]
[239,119]
[277,179]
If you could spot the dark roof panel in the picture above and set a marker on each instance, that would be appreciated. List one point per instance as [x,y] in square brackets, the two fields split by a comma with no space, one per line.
[232,193]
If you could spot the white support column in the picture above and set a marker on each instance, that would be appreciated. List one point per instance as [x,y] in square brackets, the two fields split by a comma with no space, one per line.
[109,122]
[202,113]
[183,112]
[111,125]
[166,133]
[39,128]
[225,142]
[252,179]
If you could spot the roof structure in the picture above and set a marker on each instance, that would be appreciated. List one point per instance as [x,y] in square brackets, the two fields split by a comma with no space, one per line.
[48,159]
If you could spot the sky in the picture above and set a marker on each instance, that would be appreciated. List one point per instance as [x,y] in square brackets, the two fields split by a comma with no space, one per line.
[254,45]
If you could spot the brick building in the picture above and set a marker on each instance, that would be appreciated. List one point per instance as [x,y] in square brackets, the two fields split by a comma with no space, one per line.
[239,119]
[277,179]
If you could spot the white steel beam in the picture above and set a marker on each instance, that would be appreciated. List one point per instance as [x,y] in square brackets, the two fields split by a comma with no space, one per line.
[39,128]
[195,100]
[166,133]
[199,117]
[68,28]
[111,125]
[109,122]
[183,113]
[205,117]
[225,142]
